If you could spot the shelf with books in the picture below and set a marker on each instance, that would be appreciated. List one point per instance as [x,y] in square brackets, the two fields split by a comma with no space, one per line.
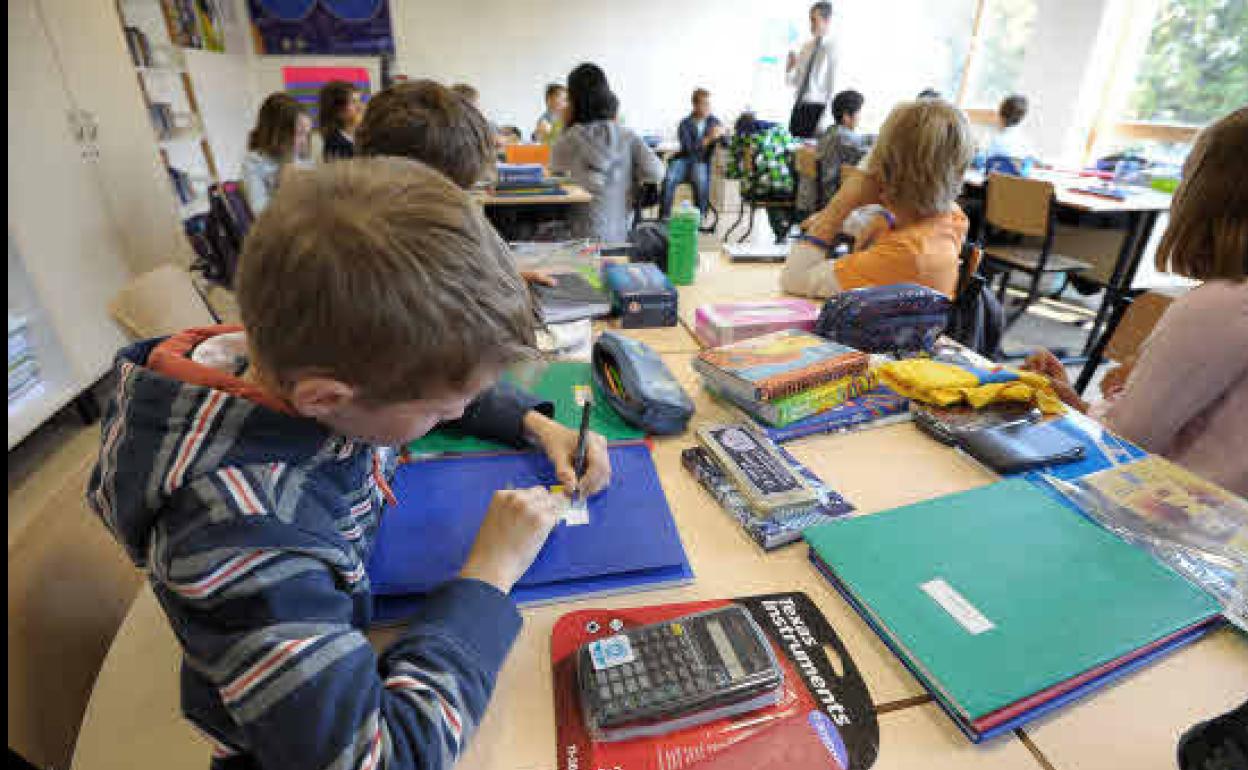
[158,34]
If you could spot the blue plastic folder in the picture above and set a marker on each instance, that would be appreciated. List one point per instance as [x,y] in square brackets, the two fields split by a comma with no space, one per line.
[630,542]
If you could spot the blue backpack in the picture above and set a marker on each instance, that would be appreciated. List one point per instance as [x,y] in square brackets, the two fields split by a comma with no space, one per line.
[899,319]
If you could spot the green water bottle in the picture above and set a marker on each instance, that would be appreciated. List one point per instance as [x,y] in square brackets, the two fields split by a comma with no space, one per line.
[682,244]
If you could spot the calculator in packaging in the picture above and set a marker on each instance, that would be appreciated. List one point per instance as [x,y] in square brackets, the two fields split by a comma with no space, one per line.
[721,685]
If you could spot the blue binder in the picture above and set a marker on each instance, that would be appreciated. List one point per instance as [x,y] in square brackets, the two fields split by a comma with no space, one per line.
[630,542]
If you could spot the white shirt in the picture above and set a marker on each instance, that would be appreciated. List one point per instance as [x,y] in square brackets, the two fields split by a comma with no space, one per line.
[1009,142]
[822,77]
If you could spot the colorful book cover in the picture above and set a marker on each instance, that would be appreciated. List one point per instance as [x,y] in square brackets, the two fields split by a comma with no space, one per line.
[769,533]
[779,364]
[1194,525]
[877,408]
[800,406]
[727,322]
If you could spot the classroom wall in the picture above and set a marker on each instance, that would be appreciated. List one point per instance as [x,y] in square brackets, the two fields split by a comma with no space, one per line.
[654,52]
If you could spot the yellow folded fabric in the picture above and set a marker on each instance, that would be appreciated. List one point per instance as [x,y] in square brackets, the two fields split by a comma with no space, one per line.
[941,384]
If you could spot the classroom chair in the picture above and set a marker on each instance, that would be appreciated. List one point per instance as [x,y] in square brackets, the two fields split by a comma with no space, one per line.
[70,587]
[1024,207]
[527,153]
[1134,318]
[161,302]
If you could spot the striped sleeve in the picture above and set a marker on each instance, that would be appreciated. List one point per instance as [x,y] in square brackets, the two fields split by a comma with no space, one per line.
[264,609]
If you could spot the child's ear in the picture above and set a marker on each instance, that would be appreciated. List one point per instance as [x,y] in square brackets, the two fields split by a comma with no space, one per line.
[320,397]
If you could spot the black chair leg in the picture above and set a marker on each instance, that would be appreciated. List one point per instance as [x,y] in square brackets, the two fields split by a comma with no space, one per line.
[1033,293]
[737,223]
[1005,280]
[750,225]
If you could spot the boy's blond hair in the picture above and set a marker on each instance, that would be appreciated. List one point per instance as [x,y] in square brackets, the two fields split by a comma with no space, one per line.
[1208,233]
[382,274]
[921,154]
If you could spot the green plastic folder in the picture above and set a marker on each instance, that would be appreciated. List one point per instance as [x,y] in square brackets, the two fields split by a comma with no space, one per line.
[555,382]
[1000,592]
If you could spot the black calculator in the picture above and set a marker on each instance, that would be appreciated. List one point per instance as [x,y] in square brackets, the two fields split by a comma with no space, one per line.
[697,663]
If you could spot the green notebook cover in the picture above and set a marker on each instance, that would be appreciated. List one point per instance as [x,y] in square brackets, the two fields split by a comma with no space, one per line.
[1036,593]
[554,382]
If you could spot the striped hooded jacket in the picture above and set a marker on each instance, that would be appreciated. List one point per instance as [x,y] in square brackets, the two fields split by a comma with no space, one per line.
[254,527]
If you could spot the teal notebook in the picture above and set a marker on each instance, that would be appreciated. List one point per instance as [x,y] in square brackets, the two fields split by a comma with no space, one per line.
[998,593]
[555,382]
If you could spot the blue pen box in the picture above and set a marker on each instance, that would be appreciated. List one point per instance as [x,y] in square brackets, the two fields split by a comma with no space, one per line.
[641,295]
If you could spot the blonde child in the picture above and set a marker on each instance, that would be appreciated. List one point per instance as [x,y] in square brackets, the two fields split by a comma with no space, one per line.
[914,172]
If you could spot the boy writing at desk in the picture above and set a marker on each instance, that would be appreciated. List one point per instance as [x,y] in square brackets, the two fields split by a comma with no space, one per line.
[246,471]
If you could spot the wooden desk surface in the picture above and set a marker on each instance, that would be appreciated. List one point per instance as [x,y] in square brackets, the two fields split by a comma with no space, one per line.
[574,194]
[1133,724]
[1139,199]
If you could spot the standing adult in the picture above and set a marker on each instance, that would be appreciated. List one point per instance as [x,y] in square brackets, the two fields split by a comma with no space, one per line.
[812,72]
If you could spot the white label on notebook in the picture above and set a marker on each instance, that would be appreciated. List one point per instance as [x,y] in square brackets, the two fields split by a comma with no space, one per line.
[957,606]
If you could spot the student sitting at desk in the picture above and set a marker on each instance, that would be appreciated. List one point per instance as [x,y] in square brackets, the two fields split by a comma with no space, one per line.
[551,122]
[1009,144]
[914,171]
[470,94]
[841,145]
[246,472]
[426,121]
[605,158]
[699,134]
[279,139]
[339,112]
[1186,396]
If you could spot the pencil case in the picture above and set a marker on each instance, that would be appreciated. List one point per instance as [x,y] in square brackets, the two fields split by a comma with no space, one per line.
[632,378]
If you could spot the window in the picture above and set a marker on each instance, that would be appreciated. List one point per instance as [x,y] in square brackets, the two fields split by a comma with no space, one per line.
[1196,66]
[900,48]
[995,67]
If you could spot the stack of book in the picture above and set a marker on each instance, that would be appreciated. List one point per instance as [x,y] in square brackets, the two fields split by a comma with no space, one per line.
[525,179]
[23,366]
[182,186]
[162,119]
[1005,603]
[140,47]
[792,376]
[727,322]
[194,23]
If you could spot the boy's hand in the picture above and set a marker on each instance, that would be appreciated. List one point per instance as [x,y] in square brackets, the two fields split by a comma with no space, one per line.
[559,443]
[515,528]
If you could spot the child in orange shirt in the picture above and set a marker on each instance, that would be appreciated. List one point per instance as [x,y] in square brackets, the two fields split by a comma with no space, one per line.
[914,172]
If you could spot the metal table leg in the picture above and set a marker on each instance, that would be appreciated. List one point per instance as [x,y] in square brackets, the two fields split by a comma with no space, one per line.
[1117,293]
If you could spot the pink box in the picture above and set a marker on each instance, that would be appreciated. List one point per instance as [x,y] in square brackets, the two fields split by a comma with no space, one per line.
[726,322]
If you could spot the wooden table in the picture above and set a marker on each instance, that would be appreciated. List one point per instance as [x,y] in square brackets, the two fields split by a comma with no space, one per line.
[1141,208]
[1134,723]
[509,212]
[573,194]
